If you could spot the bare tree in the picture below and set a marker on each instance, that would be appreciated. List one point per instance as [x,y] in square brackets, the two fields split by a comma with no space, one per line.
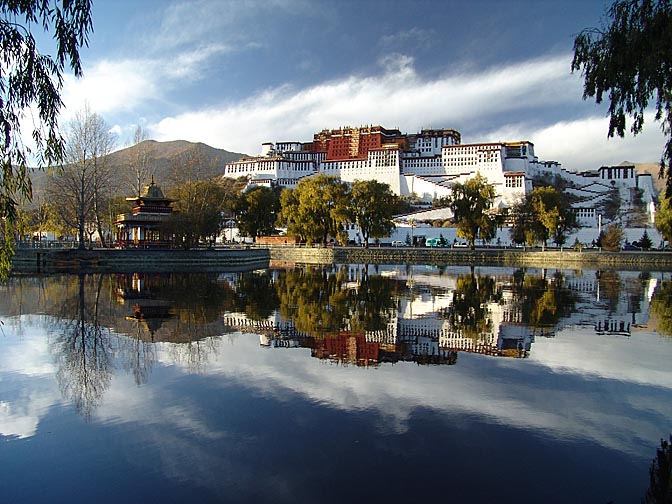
[81,190]
[140,170]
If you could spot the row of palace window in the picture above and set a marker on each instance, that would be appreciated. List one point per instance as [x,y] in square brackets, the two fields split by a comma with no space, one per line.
[514,181]
[585,212]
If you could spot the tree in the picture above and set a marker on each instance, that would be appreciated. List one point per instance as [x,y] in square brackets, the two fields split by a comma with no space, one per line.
[372,207]
[610,206]
[645,242]
[630,61]
[470,203]
[32,81]
[316,210]
[257,211]
[140,170]
[611,238]
[81,189]
[543,214]
[664,217]
[198,212]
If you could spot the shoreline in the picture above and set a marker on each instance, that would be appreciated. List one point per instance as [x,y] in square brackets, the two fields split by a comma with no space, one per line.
[251,257]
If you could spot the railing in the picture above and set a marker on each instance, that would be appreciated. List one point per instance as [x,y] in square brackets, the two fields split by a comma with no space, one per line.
[46,244]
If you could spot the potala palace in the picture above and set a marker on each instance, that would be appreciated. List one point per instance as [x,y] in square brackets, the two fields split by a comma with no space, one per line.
[427,164]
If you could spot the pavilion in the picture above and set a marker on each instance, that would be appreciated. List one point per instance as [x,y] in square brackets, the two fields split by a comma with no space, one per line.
[143,227]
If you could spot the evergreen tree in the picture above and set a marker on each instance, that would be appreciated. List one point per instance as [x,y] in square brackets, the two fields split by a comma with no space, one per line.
[645,241]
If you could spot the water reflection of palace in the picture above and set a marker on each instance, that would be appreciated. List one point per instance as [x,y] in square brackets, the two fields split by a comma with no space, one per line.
[359,314]
[437,314]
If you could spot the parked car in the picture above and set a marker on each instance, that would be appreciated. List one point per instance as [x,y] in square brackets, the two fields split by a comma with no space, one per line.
[630,246]
[398,243]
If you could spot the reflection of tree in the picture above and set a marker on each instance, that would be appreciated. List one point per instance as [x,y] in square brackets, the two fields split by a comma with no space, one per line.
[371,304]
[314,299]
[256,295]
[320,301]
[83,351]
[137,353]
[194,354]
[660,476]
[195,297]
[610,287]
[635,290]
[661,305]
[469,313]
[542,302]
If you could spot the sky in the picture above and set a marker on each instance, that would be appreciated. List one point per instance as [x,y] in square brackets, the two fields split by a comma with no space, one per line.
[236,73]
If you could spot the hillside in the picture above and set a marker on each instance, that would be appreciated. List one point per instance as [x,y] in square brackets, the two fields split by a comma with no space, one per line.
[653,169]
[167,161]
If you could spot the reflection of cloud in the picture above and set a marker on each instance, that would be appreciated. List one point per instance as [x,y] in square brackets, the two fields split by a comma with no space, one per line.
[607,357]
[577,385]
[20,416]
[514,393]
[26,373]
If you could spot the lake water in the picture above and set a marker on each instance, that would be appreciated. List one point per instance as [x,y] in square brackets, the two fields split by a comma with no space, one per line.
[349,383]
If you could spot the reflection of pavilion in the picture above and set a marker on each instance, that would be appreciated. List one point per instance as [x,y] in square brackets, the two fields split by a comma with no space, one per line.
[142,228]
[147,312]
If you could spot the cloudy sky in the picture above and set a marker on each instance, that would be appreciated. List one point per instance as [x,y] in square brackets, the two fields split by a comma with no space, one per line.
[234,73]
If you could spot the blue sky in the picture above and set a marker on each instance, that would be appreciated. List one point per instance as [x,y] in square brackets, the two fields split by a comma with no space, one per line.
[236,73]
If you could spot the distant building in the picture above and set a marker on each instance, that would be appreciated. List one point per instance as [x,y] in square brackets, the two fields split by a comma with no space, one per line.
[426,165]
[142,228]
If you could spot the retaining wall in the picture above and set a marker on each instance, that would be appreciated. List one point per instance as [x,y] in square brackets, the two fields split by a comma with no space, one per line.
[228,259]
[47,260]
[505,257]
[510,257]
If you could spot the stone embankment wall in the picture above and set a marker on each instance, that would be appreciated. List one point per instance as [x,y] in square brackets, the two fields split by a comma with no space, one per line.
[510,257]
[47,260]
[302,255]
[503,257]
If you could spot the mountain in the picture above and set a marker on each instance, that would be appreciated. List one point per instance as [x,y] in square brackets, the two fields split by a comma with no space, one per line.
[167,161]
[653,169]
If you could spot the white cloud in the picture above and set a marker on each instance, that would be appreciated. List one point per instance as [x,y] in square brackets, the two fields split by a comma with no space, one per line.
[583,144]
[416,37]
[397,97]
[185,24]
[111,87]
[494,99]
